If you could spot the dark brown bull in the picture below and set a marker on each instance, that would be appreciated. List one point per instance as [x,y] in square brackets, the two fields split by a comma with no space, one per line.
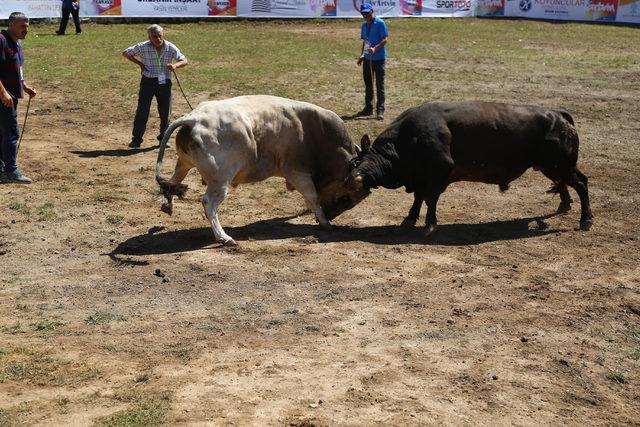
[430,146]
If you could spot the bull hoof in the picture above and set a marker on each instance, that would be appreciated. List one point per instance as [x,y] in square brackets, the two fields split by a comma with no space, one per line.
[429,229]
[408,222]
[586,224]
[167,208]
[564,208]
[228,242]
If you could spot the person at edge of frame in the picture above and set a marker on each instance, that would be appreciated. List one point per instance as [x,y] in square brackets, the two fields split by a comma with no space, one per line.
[374,37]
[70,7]
[12,88]
[154,57]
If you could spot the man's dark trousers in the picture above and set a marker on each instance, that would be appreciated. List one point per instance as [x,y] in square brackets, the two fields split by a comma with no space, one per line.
[65,18]
[150,88]
[378,71]
[9,137]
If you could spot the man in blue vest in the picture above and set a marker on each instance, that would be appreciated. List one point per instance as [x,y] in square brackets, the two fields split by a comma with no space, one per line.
[12,88]
[374,37]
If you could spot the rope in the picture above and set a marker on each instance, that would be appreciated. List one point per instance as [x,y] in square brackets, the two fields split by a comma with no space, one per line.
[373,81]
[180,86]
[24,125]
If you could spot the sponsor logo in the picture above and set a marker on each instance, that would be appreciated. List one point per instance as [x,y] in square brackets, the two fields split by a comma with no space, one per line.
[377,4]
[490,8]
[525,5]
[454,4]
[602,10]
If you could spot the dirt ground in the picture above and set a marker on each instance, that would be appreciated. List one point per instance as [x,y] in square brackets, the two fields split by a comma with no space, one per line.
[507,315]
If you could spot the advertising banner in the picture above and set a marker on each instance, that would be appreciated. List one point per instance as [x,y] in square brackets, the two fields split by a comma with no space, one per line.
[628,11]
[448,8]
[577,10]
[490,7]
[411,7]
[222,7]
[144,8]
[100,7]
[287,8]
[351,8]
[31,8]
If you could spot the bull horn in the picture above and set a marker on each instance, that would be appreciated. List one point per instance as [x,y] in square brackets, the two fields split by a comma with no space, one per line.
[358,149]
[365,142]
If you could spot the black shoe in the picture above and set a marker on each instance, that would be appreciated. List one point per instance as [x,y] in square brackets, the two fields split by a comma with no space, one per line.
[380,115]
[365,112]
[59,33]
[135,143]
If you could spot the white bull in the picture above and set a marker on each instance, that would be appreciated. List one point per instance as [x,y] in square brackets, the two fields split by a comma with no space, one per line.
[251,138]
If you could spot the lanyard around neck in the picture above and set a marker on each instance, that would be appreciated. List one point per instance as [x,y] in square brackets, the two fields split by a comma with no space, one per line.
[158,56]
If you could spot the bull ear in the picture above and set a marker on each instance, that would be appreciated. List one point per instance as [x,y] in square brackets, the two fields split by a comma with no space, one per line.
[365,142]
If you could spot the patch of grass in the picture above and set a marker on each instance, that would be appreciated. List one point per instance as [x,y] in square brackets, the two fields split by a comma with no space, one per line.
[20,207]
[46,212]
[104,317]
[104,196]
[41,369]
[2,351]
[115,219]
[617,377]
[277,322]
[146,411]
[47,325]
[16,328]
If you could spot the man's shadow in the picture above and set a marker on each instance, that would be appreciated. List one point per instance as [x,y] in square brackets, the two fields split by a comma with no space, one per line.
[117,152]
[279,229]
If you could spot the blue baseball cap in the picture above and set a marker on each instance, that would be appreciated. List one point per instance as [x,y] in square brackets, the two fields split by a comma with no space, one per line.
[366,8]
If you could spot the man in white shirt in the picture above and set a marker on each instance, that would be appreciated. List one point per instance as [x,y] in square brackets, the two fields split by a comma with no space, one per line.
[155,59]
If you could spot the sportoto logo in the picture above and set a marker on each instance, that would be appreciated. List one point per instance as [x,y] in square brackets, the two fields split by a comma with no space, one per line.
[525,5]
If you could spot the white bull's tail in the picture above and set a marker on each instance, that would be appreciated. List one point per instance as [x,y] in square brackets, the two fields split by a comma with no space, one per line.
[168,188]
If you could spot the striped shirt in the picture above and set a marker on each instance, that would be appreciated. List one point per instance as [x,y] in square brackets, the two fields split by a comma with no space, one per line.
[155,62]
[11,65]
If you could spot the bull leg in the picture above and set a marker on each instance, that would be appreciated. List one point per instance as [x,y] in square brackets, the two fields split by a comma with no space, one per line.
[559,186]
[414,212]
[179,173]
[303,183]
[213,197]
[431,221]
[579,182]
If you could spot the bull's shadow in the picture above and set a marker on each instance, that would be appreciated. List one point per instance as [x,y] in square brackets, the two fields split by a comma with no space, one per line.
[456,234]
[116,152]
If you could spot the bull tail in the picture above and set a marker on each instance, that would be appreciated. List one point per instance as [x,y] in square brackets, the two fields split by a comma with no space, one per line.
[168,188]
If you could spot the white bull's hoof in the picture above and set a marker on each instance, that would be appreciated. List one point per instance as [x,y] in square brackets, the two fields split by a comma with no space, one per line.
[228,242]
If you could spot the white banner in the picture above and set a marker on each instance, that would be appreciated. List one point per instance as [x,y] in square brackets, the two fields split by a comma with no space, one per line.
[287,8]
[629,11]
[31,8]
[164,8]
[575,10]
